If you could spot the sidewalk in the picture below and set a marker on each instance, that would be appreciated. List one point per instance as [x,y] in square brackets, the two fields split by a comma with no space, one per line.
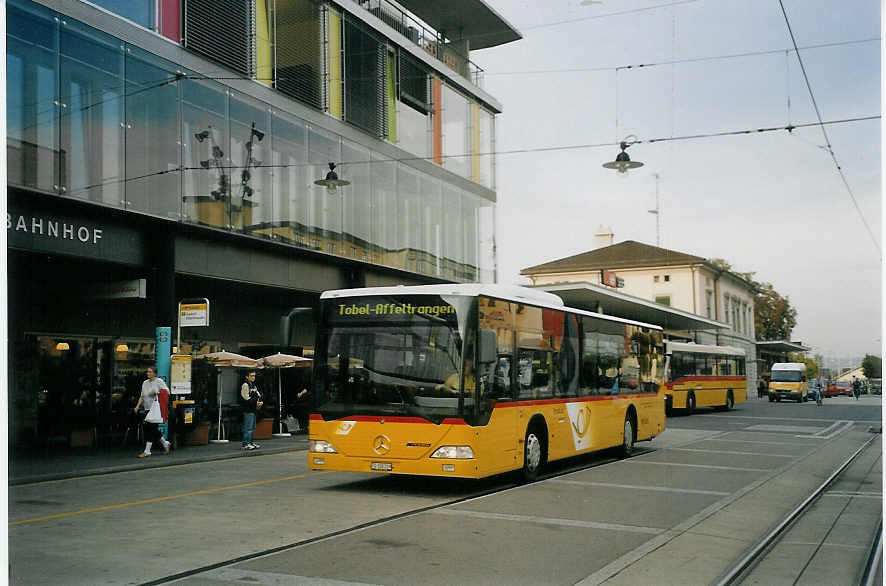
[39,464]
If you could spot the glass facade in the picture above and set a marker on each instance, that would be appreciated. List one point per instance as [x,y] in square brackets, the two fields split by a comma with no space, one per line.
[94,118]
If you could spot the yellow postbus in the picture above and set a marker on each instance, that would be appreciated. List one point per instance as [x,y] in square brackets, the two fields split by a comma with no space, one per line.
[474,380]
[698,375]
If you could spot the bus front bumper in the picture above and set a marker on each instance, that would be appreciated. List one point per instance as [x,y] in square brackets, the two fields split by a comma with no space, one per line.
[424,467]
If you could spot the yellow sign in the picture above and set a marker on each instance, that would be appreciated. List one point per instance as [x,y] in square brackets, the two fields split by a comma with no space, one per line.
[193,314]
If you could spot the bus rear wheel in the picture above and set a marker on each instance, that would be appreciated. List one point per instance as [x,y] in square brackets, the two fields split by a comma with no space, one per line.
[533,455]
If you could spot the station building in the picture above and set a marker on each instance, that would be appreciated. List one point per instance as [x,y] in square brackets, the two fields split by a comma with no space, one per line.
[722,301]
[161,150]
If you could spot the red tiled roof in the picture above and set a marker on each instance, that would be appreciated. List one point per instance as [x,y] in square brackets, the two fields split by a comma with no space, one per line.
[627,254]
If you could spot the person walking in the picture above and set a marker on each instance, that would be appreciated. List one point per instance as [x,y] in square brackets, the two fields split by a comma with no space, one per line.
[251,401]
[819,392]
[149,404]
[856,387]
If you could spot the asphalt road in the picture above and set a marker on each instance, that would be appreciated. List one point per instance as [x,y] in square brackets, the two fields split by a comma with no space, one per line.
[679,512]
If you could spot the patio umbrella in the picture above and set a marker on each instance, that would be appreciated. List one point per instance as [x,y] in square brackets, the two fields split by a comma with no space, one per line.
[222,359]
[279,361]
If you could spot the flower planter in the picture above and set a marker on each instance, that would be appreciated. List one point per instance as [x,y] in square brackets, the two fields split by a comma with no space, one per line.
[264,428]
[82,438]
[198,437]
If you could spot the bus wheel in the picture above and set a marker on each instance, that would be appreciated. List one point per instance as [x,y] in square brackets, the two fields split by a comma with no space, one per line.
[690,403]
[627,440]
[730,402]
[533,455]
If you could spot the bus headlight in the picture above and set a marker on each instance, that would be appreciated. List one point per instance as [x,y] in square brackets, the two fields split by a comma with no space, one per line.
[321,446]
[454,452]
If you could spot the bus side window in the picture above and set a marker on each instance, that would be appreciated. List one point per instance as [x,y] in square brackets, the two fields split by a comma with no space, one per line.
[589,361]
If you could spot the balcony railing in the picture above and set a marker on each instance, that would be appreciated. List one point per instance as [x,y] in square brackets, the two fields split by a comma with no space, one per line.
[428,39]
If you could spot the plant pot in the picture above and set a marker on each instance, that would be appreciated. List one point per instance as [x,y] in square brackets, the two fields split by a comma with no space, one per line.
[199,436]
[82,437]
[264,428]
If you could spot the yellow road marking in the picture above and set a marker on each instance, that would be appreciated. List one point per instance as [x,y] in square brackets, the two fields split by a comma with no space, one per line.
[159,499]
[158,468]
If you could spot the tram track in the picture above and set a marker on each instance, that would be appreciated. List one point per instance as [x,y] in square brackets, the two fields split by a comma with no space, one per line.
[745,564]
[555,470]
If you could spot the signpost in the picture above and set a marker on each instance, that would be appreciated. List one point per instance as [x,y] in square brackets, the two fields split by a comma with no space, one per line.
[191,313]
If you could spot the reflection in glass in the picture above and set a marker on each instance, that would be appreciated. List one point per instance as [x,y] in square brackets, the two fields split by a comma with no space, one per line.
[384,212]
[471,205]
[206,185]
[453,233]
[289,156]
[138,11]
[486,146]
[250,176]
[91,93]
[32,155]
[455,132]
[409,214]
[413,130]
[152,136]
[432,234]
[323,212]
[356,200]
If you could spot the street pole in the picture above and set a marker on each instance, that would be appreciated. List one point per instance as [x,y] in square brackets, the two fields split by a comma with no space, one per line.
[657,213]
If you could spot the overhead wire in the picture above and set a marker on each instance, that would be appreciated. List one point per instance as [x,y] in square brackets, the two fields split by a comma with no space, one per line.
[555,148]
[681,61]
[824,131]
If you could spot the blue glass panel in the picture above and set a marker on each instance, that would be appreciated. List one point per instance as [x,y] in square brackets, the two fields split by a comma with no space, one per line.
[32,109]
[153,142]
[138,11]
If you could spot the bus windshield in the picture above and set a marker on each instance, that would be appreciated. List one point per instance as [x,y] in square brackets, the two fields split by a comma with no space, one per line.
[786,376]
[392,356]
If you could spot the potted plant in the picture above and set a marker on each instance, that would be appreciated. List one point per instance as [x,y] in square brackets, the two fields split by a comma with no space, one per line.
[203,383]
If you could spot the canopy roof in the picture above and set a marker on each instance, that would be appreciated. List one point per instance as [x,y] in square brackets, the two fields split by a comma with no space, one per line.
[589,296]
[473,20]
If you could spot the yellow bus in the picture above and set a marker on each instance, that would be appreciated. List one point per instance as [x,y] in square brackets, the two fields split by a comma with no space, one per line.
[699,375]
[474,380]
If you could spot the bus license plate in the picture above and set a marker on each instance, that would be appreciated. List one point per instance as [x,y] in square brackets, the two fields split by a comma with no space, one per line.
[382,466]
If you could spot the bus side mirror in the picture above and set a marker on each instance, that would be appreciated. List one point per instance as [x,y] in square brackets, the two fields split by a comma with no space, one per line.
[292,320]
[487,346]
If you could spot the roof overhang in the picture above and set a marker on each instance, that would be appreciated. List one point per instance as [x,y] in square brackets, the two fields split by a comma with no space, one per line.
[782,346]
[591,297]
[473,20]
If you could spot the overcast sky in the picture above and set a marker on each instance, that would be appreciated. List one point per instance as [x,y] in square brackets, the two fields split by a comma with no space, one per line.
[769,203]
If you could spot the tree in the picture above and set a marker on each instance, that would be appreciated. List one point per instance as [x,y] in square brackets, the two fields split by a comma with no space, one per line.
[774,318]
[811,365]
[872,366]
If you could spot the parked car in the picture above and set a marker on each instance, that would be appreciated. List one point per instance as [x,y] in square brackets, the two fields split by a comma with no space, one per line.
[876,386]
[843,388]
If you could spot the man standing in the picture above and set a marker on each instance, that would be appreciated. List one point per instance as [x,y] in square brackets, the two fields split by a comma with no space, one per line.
[251,400]
[151,407]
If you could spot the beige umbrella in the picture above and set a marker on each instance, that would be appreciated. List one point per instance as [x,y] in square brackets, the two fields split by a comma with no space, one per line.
[222,359]
[279,361]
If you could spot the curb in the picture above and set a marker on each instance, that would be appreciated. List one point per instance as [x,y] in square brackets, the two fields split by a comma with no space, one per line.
[165,461]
